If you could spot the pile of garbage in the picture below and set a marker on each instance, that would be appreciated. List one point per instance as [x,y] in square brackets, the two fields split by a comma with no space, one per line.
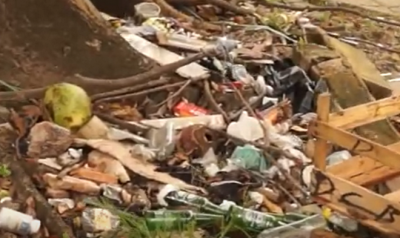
[218,145]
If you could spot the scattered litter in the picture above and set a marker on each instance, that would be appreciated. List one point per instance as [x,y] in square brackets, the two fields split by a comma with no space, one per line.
[217,142]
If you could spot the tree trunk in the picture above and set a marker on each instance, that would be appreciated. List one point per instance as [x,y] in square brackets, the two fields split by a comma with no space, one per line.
[44,41]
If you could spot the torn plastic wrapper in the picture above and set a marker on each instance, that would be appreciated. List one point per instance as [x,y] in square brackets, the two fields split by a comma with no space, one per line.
[249,157]
[98,220]
[239,73]
[163,140]
[213,121]
[162,56]
[62,204]
[186,109]
[247,128]
[338,157]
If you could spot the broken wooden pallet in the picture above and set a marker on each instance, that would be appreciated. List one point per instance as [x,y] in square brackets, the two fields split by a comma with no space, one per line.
[342,187]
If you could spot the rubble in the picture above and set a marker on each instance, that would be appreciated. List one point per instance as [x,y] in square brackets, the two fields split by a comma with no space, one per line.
[215,140]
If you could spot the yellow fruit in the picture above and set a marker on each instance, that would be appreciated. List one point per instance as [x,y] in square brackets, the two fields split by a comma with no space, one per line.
[68,105]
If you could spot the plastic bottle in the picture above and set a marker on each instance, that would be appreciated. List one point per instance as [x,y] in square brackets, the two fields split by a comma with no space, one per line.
[17,222]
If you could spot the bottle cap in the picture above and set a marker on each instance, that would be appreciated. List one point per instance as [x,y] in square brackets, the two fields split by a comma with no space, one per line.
[35,226]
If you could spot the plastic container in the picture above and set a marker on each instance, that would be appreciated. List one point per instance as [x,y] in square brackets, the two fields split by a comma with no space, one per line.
[17,222]
[147,10]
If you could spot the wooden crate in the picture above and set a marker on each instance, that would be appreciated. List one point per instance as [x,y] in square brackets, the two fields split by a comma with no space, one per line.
[342,187]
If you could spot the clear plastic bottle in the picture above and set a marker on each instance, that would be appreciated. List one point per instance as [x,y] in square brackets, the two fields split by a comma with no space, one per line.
[18,222]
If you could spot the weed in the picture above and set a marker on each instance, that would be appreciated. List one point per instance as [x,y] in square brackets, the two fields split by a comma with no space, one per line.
[4,171]
[132,226]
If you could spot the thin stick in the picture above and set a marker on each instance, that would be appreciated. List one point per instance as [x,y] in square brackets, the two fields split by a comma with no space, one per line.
[177,93]
[144,92]
[213,103]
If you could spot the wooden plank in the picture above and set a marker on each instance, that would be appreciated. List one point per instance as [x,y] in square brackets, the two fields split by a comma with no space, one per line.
[367,207]
[363,170]
[356,144]
[359,63]
[366,113]
[321,145]
[393,196]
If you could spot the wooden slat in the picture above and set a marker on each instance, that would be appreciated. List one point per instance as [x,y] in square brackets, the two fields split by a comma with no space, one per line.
[355,201]
[363,170]
[366,113]
[356,144]
[321,145]
[393,196]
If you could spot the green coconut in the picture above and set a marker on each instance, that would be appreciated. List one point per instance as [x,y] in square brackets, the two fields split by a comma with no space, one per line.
[68,105]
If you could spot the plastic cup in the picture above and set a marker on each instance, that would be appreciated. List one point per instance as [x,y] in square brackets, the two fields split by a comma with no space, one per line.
[147,10]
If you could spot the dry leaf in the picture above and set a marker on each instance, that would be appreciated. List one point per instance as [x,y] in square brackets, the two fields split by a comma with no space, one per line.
[56,193]
[71,183]
[106,164]
[18,123]
[272,207]
[48,140]
[30,206]
[143,168]
[95,176]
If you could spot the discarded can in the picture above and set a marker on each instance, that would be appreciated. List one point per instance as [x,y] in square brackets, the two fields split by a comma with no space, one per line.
[186,109]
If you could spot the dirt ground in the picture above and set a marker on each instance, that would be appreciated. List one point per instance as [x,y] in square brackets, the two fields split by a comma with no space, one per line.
[384,6]
[43,43]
